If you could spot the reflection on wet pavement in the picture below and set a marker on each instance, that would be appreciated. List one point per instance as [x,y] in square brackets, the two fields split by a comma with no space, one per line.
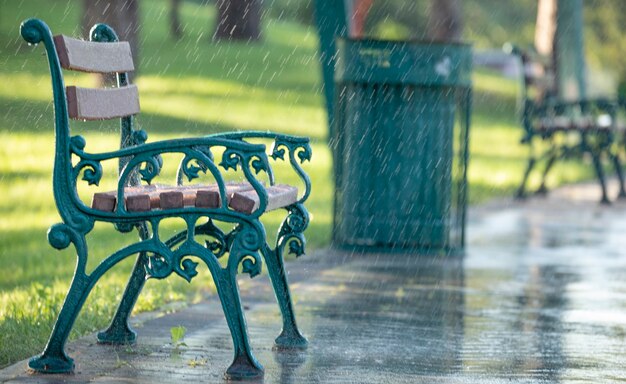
[539,297]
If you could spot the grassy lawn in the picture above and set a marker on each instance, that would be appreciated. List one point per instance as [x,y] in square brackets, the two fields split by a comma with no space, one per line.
[193,87]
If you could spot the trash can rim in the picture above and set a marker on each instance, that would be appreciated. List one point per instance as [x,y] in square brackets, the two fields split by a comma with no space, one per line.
[407,41]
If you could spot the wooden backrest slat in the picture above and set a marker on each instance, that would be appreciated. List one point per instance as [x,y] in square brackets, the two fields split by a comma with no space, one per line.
[102,104]
[89,56]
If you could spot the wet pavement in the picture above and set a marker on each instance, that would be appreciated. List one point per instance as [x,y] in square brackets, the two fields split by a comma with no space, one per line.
[540,297]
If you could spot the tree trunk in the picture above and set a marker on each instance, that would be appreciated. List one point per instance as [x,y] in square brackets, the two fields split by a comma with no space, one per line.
[176,30]
[445,22]
[238,20]
[121,15]
[545,38]
[545,29]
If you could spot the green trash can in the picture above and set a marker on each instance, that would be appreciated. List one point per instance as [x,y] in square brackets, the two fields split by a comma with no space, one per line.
[400,145]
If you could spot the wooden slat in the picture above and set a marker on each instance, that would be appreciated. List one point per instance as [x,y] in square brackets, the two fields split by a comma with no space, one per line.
[151,197]
[143,202]
[103,201]
[278,196]
[102,104]
[107,201]
[88,56]
[209,197]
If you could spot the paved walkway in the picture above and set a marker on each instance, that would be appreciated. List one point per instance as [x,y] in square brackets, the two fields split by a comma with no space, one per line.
[540,297]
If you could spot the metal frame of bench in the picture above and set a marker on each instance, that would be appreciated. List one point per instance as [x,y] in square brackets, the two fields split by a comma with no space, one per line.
[139,161]
[568,128]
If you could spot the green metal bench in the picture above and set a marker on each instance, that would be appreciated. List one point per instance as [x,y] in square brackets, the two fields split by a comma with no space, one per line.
[135,205]
[556,129]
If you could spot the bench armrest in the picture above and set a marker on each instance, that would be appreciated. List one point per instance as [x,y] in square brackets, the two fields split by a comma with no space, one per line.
[296,148]
[198,157]
[587,105]
[600,110]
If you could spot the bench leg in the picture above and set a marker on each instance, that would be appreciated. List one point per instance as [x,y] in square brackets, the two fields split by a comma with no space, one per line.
[543,190]
[617,164]
[245,365]
[521,190]
[597,164]
[119,332]
[54,359]
[290,337]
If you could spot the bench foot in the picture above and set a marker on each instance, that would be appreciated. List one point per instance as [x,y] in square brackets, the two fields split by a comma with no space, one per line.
[542,190]
[52,364]
[290,340]
[117,335]
[244,368]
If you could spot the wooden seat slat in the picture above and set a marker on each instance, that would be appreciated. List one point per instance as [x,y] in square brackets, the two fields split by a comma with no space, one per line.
[242,197]
[278,196]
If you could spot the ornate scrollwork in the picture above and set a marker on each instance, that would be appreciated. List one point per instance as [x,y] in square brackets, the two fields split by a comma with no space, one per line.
[192,170]
[230,159]
[161,265]
[125,227]
[139,137]
[151,168]
[158,267]
[186,269]
[304,153]
[295,148]
[258,164]
[247,240]
[302,149]
[77,144]
[291,231]
[61,235]
[91,169]
[258,161]
[219,245]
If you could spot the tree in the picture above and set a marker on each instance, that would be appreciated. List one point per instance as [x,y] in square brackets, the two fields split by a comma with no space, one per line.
[238,20]
[545,28]
[121,15]
[445,22]
[176,30]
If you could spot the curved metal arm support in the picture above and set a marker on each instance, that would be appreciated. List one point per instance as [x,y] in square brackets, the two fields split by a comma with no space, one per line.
[61,235]
[195,149]
[167,146]
[295,145]
[292,229]
[35,31]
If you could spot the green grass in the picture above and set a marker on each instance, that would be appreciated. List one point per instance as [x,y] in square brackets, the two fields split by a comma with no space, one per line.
[192,87]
